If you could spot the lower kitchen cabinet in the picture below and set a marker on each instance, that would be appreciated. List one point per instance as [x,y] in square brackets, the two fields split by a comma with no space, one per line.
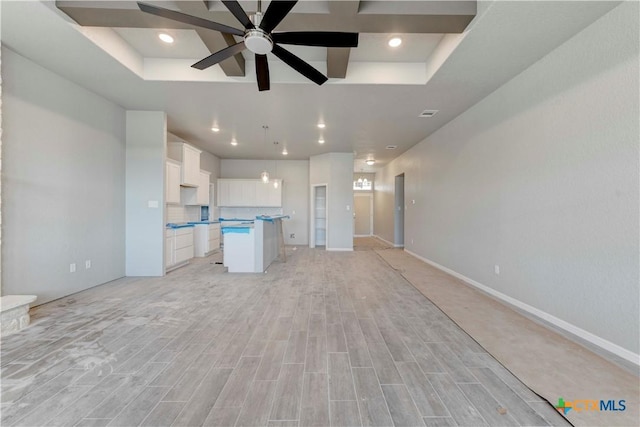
[179,246]
[206,239]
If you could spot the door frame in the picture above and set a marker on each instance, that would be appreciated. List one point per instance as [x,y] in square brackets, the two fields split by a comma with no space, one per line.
[399,208]
[312,215]
[370,196]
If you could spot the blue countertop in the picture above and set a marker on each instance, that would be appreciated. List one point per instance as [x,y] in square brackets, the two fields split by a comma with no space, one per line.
[172,225]
[271,218]
[203,222]
[242,228]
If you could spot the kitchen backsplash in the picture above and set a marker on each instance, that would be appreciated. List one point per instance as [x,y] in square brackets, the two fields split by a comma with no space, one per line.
[178,214]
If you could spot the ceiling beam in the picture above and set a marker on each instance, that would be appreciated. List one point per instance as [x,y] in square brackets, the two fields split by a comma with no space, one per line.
[113,14]
[338,58]
[214,40]
[337,62]
[345,7]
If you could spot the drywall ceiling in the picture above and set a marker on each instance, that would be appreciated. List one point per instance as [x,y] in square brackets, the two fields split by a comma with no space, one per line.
[377,104]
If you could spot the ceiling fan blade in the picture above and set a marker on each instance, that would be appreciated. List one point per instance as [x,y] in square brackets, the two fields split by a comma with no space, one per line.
[317,38]
[219,56]
[275,13]
[262,72]
[237,11]
[299,65]
[188,19]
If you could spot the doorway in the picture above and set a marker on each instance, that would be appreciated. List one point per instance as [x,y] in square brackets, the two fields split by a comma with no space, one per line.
[398,220]
[362,214]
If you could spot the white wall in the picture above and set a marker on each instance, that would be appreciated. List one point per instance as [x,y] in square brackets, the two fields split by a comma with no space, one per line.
[146,135]
[541,178]
[63,180]
[295,190]
[336,170]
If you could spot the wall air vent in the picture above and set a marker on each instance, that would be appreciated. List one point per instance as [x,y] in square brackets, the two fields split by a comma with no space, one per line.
[391,147]
[428,113]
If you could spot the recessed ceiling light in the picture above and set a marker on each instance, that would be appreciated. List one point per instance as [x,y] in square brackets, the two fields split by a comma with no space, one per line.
[370,162]
[321,141]
[234,142]
[285,152]
[395,42]
[391,147]
[215,129]
[165,37]
[322,125]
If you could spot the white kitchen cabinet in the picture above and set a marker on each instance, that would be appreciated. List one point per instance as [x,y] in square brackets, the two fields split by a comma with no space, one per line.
[248,193]
[190,158]
[224,188]
[263,191]
[172,182]
[275,194]
[178,247]
[206,239]
[214,237]
[168,249]
[198,195]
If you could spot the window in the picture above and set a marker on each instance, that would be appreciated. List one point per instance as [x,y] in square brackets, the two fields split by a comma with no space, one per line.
[362,184]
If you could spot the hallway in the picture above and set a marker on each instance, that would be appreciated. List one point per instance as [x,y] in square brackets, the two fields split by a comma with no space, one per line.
[324,339]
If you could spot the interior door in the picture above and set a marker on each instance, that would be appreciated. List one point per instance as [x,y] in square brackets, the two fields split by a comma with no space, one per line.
[362,214]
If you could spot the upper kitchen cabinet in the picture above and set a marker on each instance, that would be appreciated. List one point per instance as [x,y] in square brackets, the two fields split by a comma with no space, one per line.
[172,182]
[248,193]
[200,195]
[190,158]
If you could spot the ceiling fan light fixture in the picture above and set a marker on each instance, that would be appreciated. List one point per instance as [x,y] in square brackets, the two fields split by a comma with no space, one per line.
[258,42]
[370,162]
[395,41]
[165,38]
[264,176]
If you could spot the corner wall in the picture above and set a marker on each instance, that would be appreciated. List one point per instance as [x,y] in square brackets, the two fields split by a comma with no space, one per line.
[541,178]
[336,170]
[146,133]
[63,181]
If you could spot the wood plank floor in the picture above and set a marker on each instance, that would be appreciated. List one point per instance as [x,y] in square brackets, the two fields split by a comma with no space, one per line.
[325,339]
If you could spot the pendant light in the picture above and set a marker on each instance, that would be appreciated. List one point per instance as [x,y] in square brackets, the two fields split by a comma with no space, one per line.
[264,176]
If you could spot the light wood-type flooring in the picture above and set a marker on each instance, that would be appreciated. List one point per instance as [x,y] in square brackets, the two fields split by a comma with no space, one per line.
[325,339]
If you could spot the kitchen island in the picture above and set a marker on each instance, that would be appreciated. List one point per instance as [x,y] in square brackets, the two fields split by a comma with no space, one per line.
[250,246]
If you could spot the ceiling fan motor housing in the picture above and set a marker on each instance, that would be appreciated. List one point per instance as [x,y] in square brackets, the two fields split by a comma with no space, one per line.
[257,41]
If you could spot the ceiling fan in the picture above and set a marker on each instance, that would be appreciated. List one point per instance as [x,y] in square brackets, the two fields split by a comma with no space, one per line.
[258,37]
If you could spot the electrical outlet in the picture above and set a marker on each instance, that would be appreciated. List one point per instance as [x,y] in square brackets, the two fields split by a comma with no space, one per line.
[87,264]
[292,235]
[496,269]
[72,268]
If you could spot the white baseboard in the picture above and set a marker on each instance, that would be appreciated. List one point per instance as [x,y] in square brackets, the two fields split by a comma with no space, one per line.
[388,242]
[542,315]
[340,249]
[363,235]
